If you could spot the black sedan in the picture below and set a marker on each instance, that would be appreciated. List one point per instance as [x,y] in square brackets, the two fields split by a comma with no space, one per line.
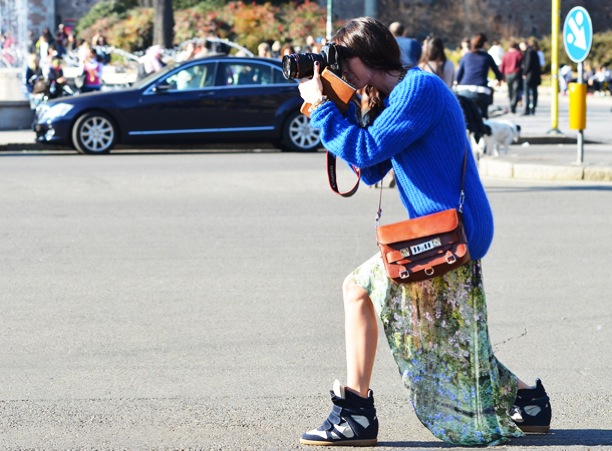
[210,100]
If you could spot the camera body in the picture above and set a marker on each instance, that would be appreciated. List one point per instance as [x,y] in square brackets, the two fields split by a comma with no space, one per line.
[301,65]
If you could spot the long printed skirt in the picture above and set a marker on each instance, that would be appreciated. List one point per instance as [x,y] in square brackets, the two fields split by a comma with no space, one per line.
[438,334]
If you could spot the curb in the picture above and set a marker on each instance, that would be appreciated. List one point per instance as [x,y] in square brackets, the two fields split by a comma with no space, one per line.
[491,167]
[22,146]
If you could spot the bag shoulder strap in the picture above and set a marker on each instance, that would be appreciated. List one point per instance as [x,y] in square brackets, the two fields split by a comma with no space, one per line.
[461,192]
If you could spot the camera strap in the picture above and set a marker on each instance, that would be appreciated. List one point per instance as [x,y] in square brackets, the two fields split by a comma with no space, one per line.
[331,176]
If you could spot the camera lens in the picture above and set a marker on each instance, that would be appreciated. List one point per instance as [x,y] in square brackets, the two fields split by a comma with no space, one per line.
[301,65]
[289,66]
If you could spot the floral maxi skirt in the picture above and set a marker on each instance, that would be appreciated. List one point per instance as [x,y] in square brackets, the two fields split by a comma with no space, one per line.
[438,334]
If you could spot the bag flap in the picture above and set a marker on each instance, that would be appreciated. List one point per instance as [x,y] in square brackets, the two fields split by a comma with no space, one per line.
[444,221]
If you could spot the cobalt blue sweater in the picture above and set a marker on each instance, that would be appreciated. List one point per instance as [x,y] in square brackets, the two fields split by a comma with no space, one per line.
[421,134]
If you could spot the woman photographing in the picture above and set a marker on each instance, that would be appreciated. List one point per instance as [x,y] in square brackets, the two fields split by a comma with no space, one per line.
[437,328]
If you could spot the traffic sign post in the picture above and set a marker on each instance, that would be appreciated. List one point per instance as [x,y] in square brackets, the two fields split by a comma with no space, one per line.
[577,38]
[554,67]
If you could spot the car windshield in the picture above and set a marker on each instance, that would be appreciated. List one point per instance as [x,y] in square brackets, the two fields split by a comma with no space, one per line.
[152,76]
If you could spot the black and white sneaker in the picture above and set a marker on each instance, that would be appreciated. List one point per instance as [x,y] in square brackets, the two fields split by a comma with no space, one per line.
[531,411]
[352,421]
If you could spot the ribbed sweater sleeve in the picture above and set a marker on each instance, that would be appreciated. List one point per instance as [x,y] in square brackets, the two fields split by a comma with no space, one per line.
[422,134]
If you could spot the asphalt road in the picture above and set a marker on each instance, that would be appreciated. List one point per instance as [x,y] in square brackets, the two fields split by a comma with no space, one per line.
[192,301]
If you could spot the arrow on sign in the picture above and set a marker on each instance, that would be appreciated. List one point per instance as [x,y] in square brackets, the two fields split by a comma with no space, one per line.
[579,36]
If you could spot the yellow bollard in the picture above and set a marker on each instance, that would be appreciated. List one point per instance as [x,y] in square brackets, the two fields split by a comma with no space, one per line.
[577,106]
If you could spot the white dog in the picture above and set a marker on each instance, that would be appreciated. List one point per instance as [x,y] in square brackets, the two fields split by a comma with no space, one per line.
[503,133]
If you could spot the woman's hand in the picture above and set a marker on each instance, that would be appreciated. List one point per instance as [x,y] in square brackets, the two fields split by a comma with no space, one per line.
[311,89]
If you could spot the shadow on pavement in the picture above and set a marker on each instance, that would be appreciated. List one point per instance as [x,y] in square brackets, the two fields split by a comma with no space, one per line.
[567,437]
[556,437]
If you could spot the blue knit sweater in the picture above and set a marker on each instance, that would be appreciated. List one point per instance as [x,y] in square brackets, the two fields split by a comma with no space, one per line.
[421,134]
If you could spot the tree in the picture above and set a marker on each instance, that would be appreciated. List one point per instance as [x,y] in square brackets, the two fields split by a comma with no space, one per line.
[163,24]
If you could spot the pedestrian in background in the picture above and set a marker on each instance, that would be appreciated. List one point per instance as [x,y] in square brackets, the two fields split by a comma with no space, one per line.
[541,57]
[61,39]
[31,74]
[437,328]
[513,75]
[496,51]
[465,46]
[410,48]
[92,72]
[472,75]
[434,60]
[286,49]
[532,77]
[264,50]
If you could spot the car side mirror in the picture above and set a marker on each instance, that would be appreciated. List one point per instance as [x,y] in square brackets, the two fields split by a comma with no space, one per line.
[161,88]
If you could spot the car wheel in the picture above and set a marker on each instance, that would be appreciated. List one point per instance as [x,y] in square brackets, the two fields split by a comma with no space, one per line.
[94,133]
[299,135]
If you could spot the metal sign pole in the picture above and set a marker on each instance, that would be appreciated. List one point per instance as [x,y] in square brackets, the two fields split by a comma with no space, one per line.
[330,16]
[554,68]
[580,136]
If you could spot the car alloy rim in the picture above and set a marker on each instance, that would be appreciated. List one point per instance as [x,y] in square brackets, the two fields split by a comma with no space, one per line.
[97,134]
[302,134]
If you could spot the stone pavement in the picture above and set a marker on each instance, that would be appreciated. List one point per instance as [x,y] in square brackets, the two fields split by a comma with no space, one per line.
[539,154]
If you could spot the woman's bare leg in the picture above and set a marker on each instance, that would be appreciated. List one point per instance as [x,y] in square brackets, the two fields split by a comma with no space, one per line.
[361,334]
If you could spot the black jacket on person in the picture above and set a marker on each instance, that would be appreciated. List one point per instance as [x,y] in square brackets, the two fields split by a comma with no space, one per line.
[531,67]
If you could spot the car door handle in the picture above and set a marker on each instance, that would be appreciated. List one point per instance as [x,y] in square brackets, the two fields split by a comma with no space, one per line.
[205,93]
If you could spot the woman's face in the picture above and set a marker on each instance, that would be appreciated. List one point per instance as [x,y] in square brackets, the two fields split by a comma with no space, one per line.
[356,72]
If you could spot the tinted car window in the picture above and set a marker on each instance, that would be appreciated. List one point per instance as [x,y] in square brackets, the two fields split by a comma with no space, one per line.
[192,77]
[240,73]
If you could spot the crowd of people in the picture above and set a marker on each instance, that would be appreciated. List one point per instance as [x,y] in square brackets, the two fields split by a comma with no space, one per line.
[43,76]
[519,66]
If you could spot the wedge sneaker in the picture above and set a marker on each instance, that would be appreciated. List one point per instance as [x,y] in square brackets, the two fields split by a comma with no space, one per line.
[531,411]
[352,421]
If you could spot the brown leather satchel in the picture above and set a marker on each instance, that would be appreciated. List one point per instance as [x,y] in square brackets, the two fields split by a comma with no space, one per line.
[425,247]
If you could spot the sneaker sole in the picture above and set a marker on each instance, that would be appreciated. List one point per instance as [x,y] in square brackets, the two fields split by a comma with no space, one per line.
[369,442]
[535,429]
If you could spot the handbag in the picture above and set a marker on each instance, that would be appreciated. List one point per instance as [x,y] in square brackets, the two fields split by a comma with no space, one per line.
[422,248]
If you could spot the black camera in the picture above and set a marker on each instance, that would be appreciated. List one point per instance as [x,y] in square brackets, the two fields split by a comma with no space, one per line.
[301,65]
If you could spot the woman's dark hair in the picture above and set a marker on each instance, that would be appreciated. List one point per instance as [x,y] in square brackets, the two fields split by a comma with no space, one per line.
[477,42]
[433,50]
[374,44]
[371,41]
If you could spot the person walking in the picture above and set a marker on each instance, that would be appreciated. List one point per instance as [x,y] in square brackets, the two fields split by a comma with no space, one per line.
[434,60]
[472,75]
[513,75]
[532,77]
[437,329]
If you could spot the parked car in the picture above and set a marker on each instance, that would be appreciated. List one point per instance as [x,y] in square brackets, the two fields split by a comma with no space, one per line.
[209,100]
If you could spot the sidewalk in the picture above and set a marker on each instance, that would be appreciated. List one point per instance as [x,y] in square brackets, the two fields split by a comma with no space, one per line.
[539,154]
[542,154]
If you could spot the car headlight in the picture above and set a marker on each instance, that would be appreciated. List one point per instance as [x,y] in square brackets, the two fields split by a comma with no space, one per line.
[47,113]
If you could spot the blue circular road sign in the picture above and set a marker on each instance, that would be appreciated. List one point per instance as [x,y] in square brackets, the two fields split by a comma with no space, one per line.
[578,34]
